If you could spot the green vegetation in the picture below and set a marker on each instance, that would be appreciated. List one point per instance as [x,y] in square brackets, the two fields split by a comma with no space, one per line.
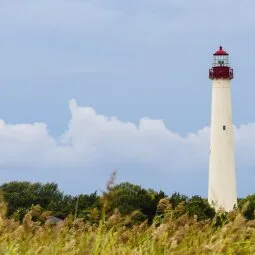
[125,219]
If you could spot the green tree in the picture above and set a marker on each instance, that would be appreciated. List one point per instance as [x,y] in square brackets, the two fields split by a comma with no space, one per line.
[20,196]
[86,203]
[128,198]
[177,198]
[199,207]
[247,206]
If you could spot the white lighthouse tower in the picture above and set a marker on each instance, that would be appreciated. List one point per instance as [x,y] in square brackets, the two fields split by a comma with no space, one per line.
[222,180]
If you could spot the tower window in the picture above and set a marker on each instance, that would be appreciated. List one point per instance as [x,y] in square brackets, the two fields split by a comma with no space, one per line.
[224,127]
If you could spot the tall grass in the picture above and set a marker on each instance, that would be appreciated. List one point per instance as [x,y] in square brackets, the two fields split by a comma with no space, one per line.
[117,234]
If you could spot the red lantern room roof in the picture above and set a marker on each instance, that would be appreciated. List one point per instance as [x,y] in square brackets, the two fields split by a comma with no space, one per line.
[220,52]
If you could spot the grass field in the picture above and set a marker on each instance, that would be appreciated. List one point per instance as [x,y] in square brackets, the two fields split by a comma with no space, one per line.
[225,234]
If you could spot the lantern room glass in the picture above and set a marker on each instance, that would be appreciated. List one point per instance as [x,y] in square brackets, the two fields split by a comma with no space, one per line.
[220,60]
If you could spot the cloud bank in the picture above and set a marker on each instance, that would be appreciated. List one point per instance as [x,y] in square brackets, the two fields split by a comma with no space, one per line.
[94,141]
[93,138]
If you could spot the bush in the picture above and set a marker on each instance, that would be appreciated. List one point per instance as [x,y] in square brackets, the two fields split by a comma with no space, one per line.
[199,207]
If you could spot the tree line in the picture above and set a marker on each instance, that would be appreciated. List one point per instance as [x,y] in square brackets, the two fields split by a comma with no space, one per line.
[123,199]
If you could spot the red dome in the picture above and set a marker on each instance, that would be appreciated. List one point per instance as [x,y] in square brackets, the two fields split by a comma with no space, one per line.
[220,52]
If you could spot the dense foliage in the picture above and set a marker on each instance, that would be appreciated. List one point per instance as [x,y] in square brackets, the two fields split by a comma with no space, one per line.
[125,197]
[20,196]
[125,219]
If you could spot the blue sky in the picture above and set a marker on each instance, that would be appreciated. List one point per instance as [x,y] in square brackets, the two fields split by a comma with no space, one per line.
[92,86]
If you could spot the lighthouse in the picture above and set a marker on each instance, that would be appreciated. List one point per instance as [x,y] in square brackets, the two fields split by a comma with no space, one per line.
[222,181]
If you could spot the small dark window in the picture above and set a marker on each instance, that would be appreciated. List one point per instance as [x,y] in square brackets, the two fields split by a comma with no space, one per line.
[224,127]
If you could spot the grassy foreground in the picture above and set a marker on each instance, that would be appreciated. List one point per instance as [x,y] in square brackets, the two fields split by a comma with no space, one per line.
[225,234]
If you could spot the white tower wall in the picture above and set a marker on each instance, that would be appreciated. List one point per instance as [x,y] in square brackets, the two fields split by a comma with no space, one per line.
[222,180]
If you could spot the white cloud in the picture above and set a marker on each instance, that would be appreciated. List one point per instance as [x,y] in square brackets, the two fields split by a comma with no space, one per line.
[93,145]
[93,138]
[245,145]
[24,144]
